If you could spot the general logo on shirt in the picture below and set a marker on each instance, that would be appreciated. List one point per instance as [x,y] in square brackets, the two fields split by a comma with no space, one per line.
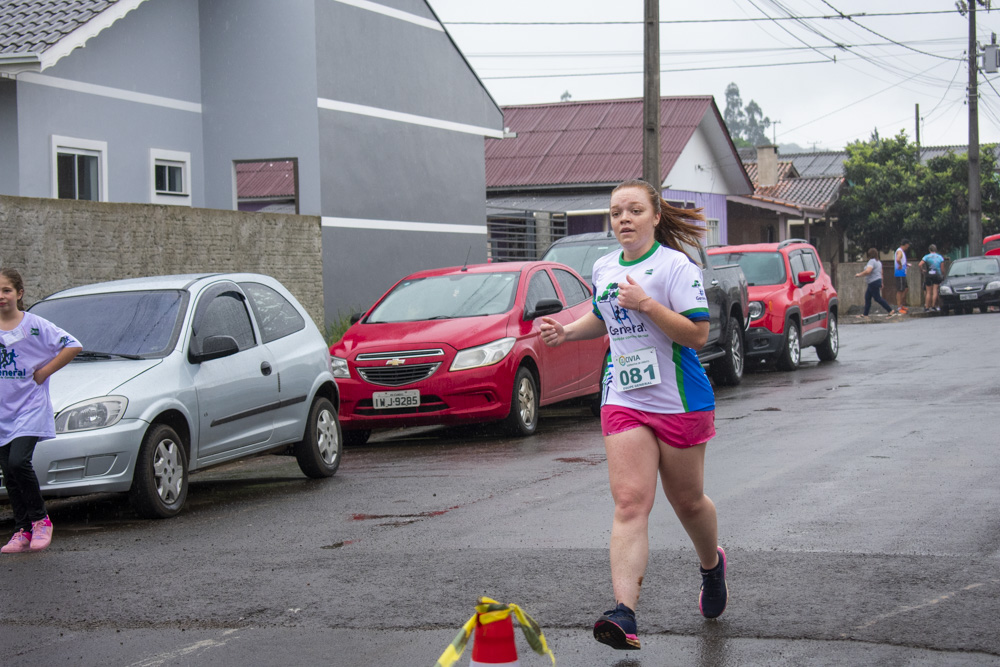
[34,331]
[8,364]
[626,325]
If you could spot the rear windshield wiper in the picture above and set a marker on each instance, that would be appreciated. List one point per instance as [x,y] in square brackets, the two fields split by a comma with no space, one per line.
[91,354]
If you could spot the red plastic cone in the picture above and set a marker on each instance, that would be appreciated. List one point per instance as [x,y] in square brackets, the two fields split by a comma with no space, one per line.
[493,644]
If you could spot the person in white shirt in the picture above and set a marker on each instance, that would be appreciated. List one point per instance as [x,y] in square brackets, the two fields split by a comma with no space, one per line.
[31,350]
[658,412]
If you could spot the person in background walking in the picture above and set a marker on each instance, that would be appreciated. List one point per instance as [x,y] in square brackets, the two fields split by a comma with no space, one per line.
[900,265]
[31,350]
[930,265]
[873,275]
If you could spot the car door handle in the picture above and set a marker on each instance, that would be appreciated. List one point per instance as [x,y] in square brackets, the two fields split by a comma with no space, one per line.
[265,368]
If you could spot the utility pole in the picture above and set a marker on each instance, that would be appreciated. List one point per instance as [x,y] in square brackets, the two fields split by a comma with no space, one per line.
[916,115]
[651,97]
[975,197]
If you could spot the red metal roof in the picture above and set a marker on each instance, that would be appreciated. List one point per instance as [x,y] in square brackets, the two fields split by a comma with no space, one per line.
[587,142]
[265,179]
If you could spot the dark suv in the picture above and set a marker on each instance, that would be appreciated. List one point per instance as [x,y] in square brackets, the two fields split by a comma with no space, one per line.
[793,303]
[725,289]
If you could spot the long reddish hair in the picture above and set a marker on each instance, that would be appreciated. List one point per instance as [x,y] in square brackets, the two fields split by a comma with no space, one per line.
[676,225]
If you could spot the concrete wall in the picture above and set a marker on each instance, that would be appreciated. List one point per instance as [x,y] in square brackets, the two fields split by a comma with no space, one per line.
[57,244]
[851,290]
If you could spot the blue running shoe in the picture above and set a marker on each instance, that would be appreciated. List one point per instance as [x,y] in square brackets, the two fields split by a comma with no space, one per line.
[616,628]
[714,592]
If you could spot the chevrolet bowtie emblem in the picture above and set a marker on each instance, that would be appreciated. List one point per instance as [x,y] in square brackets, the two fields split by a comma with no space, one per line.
[395,362]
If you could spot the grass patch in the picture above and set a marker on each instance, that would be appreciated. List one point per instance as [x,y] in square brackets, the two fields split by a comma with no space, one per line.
[338,325]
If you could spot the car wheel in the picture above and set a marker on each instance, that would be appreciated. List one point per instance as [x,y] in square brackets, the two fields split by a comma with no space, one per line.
[523,417]
[160,483]
[790,353]
[945,310]
[728,369]
[984,309]
[827,350]
[356,438]
[320,451]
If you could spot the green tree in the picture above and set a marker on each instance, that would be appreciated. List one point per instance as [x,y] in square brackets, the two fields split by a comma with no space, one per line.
[890,195]
[747,125]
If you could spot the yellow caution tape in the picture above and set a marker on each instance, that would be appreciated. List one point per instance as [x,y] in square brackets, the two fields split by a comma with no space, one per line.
[489,611]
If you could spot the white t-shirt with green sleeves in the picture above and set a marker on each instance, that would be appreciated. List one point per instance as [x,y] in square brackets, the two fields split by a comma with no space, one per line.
[669,378]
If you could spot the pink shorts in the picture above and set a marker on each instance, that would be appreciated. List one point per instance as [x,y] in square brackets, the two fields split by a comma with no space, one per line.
[682,430]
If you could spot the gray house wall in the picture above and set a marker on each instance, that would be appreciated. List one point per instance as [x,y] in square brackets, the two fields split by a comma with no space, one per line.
[152,50]
[319,81]
[9,179]
[259,91]
[409,193]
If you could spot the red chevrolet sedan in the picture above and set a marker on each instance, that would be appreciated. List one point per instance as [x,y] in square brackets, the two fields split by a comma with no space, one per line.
[462,345]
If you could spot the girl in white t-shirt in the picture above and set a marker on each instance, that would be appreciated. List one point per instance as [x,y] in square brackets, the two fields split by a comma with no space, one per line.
[31,350]
[658,411]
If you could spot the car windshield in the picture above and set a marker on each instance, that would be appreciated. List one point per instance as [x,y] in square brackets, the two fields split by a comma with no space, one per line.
[760,268]
[126,324]
[448,297]
[974,267]
[581,256]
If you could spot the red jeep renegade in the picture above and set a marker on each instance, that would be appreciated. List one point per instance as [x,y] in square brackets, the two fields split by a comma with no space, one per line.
[793,303]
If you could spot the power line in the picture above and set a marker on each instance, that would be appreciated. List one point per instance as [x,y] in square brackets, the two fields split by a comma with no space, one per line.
[687,21]
[691,52]
[683,69]
[877,34]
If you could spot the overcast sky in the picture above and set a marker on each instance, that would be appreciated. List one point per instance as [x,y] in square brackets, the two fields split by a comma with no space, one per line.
[786,66]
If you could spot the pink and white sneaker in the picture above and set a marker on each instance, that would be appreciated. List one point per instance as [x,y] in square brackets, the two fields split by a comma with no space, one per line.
[20,543]
[41,534]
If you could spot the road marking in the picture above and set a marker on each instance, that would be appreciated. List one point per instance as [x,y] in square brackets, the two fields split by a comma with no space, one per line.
[929,603]
[173,656]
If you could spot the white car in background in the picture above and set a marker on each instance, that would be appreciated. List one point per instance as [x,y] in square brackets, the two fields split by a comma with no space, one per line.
[179,373]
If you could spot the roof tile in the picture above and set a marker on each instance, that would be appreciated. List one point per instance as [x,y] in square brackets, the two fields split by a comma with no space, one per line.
[587,142]
[35,25]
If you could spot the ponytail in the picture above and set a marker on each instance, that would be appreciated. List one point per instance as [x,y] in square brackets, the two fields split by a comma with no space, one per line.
[677,226]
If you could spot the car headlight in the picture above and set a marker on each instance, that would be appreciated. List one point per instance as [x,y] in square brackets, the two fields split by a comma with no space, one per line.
[339,367]
[484,355]
[756,310]
[993,284]
[91,414]
[945,289]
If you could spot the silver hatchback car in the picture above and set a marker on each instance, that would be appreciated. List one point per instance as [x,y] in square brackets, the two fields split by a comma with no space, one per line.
[179,373]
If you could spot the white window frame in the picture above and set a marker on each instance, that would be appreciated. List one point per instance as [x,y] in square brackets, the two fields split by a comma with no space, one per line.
[712,232]
[182,159]
[74,146]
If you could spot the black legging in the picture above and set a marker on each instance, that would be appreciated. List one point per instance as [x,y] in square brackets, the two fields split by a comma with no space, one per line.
[874,291]
[22,485]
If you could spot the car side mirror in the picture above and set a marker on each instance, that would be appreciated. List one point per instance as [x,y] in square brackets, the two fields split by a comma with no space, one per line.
[544,307]
[806,277]
[356,317]
[215,347]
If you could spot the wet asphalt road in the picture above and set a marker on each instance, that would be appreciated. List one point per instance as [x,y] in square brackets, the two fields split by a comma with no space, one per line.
[858,502]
